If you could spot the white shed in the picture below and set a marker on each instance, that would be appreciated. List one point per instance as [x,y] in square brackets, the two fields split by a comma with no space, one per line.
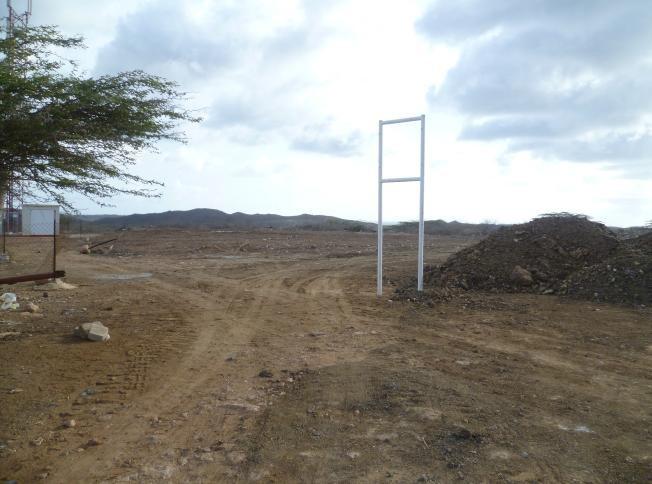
[40,219]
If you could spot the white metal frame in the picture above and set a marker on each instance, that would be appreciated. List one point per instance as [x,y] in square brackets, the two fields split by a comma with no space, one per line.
[381,180]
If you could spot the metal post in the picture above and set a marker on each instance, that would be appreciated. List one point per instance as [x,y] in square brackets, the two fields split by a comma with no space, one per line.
[54,243]
[379,270]
[381,180]
[421,196]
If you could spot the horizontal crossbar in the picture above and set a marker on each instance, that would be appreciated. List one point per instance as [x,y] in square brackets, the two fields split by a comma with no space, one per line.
[398,180]
[402,120]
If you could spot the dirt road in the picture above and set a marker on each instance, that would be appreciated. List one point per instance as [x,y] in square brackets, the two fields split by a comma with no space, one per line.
[238,357]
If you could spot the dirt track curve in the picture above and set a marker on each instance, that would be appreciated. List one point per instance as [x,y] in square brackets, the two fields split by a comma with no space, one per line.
[495,388]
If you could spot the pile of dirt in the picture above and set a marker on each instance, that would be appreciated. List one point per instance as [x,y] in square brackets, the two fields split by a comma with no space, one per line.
[533,257]
[625,277]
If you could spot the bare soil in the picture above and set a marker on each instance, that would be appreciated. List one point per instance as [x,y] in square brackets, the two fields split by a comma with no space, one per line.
[266,356]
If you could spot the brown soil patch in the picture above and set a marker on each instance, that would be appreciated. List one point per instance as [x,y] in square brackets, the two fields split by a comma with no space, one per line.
[511,387]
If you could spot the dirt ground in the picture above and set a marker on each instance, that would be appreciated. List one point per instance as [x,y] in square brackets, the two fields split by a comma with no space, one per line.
[266,356]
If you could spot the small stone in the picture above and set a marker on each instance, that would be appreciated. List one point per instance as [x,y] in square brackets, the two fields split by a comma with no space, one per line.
[94,331]
[353,455]
[88,392]
[69,423]
[15,390]
[230,357]
[265,374]
[37,442]
[93,443]
[33,308]
[521,276]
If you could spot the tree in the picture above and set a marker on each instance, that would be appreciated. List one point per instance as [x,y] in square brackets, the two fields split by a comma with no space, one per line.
[62,132]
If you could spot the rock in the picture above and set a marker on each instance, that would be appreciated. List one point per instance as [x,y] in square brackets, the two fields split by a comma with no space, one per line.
[15,390]
[521,276]
[33,308]
[94,331]
[37,442]
[265,374]
[70,423]
[85,249]
[88,392]
[353,455]
[92,443]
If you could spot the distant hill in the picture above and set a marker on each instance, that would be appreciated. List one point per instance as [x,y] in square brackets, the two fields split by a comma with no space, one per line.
[441,227]
[214,219]
[211,218]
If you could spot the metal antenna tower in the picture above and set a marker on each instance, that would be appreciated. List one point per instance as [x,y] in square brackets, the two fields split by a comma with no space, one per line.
[15,19]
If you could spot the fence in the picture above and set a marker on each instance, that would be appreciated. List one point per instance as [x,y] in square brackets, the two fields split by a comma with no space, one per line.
[29,245]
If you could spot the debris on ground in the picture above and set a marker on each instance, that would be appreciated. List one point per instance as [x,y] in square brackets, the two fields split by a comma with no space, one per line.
[94,331]
[32,308]
[55,285]
[8,300]
[85,249]
[531,257]
[554,254]
[624,278]
[8,334]
[265,374]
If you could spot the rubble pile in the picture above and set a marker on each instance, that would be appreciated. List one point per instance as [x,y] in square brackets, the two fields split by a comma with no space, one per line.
[533,257]
[555,254]
[624,278]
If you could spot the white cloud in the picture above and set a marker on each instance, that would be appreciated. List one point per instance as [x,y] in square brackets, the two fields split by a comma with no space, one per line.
[292,91]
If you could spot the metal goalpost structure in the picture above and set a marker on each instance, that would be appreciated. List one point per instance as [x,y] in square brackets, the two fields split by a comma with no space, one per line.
[381,180]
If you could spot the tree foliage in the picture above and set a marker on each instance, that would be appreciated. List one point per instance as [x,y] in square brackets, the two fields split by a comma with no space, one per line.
[62,132]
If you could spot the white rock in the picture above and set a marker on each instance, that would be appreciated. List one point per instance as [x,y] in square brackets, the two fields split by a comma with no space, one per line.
[94,331]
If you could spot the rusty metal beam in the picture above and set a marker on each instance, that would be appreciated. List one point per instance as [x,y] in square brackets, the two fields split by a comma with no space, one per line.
[32,277]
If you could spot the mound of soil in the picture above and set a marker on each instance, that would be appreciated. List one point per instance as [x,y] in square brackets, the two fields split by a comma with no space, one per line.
[626,277]
[533,257]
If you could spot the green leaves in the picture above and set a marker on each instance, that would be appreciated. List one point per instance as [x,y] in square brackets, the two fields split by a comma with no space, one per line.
[61,132]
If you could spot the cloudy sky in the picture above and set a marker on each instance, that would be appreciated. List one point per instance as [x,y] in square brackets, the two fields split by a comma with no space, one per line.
[531,106]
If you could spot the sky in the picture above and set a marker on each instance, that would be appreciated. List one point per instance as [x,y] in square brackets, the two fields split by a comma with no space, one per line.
[531,107]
